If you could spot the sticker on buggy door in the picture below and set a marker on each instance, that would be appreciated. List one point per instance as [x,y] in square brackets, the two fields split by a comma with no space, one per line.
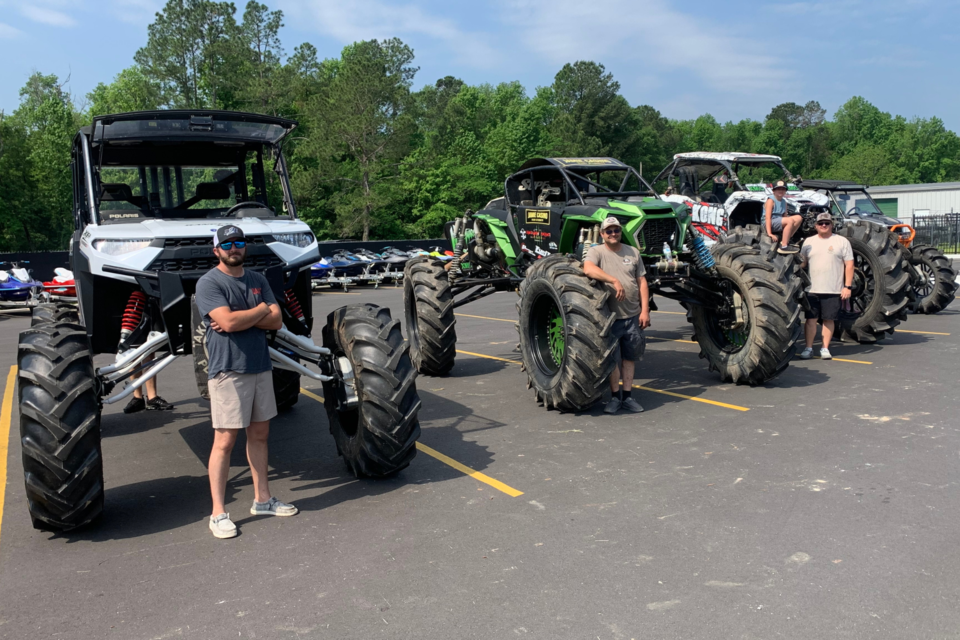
[538,216]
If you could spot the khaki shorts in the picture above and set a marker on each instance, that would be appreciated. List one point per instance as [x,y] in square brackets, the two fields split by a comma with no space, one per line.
[237,399]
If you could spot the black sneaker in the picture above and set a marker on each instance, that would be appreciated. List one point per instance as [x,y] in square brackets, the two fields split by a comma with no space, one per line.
[788,250]
[158,404]
[135,405]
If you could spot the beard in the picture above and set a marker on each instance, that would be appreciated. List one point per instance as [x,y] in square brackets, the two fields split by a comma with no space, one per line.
[232,260]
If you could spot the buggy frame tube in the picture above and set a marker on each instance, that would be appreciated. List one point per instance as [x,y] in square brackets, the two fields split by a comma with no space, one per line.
[88,178]
[142,380]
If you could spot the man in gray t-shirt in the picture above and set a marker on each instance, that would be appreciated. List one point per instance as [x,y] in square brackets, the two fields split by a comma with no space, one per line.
[621,270]
[238,308]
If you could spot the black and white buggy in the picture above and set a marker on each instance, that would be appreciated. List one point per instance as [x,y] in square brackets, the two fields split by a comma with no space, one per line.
[150,189]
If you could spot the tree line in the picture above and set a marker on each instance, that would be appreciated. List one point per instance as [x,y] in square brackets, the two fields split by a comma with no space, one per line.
[375,158]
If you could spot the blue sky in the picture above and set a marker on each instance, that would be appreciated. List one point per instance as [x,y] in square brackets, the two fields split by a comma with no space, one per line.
[733,59]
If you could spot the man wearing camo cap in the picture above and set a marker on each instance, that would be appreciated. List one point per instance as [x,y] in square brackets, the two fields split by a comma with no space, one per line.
[621,270]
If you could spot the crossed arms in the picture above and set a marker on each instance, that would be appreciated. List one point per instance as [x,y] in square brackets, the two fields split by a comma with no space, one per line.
[263,316]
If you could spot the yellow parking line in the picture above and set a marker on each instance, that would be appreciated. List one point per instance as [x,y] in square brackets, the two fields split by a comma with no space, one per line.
[466,315]
[675,313]
[476,475]
[340,293]
[6,409]
[930,333]
[667,393]
[482,355]
[310,394]
[703,400]
[496,484]
[672,340]
[837,359]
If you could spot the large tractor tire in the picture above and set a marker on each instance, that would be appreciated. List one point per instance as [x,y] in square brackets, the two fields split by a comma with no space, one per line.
[881,288]
[377,436]
[770,287]
[59,427]
[566,338]
[286,384]
[53,312]
[428,310]
[935,286]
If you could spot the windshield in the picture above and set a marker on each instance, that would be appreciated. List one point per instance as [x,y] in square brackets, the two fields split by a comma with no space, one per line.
[186,191]
[856,202]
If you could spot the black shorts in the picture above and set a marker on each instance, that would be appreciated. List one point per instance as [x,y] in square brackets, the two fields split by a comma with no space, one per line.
[823,306]
[632,342]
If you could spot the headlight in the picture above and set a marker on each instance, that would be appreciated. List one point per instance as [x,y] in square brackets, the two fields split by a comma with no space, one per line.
[119,247]
[296,239]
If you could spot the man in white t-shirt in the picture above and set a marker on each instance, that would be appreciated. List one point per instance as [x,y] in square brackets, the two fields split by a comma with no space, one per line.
[830,261]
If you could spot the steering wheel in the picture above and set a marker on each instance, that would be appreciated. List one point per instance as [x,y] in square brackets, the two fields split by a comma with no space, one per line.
[250,204]
[853,211]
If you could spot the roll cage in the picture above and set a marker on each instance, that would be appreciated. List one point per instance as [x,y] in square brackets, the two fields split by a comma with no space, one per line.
[572,181]
[694,172]
[156,146]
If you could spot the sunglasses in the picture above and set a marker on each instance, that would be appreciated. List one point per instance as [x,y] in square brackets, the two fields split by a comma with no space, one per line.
[611,231]
[239,244]
[824,223]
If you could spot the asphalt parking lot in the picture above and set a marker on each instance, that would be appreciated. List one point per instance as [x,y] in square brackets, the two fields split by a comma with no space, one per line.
[822,505]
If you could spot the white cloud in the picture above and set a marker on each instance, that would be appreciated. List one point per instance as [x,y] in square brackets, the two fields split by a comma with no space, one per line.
[139,12]
[656,37]
[45,15]
[371,19]
[7,32]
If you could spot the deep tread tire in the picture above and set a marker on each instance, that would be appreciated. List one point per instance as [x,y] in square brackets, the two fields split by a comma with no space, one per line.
[286,384]
[59,427]
[53,312]
[772,287]
[378,437]
[930,262]
[879,247]
[286,387]
[589,344]
[428,309]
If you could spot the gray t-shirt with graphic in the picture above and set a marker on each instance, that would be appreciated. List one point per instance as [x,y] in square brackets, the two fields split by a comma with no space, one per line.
[239,351]
[626,266]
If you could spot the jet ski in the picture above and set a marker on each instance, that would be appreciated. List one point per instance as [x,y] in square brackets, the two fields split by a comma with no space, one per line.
[18,286]
[440,252]
[347,264]
[375,260]
[62,285]
[321,269]
[395,258]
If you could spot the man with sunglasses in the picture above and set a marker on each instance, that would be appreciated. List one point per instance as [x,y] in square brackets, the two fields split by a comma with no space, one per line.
[620,268]
[238,308]
[830,261]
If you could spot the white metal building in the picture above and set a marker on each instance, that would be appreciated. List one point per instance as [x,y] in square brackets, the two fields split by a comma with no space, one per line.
[906,200]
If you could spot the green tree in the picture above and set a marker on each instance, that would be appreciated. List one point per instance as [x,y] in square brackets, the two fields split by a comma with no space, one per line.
[360,131]
[131,90]
[867,164]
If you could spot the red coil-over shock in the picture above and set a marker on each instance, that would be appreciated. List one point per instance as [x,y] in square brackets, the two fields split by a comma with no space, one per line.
[133,314]
[293,306]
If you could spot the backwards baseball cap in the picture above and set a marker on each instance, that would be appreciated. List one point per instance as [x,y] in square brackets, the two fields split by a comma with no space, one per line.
[610,222]
[780,184]
[227,233]
[824,216]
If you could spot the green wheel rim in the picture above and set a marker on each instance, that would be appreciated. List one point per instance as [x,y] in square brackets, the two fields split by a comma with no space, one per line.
[555,335]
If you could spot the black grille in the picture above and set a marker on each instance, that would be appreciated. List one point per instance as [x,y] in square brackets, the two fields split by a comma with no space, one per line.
[172,243]
[656,231]
[207,263]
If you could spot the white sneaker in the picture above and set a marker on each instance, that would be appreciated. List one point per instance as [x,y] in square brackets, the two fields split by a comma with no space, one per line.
[222,526]
[825,354]
[273,507]
[806,354]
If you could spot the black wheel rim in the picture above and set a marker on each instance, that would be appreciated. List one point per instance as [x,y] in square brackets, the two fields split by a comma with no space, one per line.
[547,335]
[928,280]
[864,287]
[413,322]
[731,340]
